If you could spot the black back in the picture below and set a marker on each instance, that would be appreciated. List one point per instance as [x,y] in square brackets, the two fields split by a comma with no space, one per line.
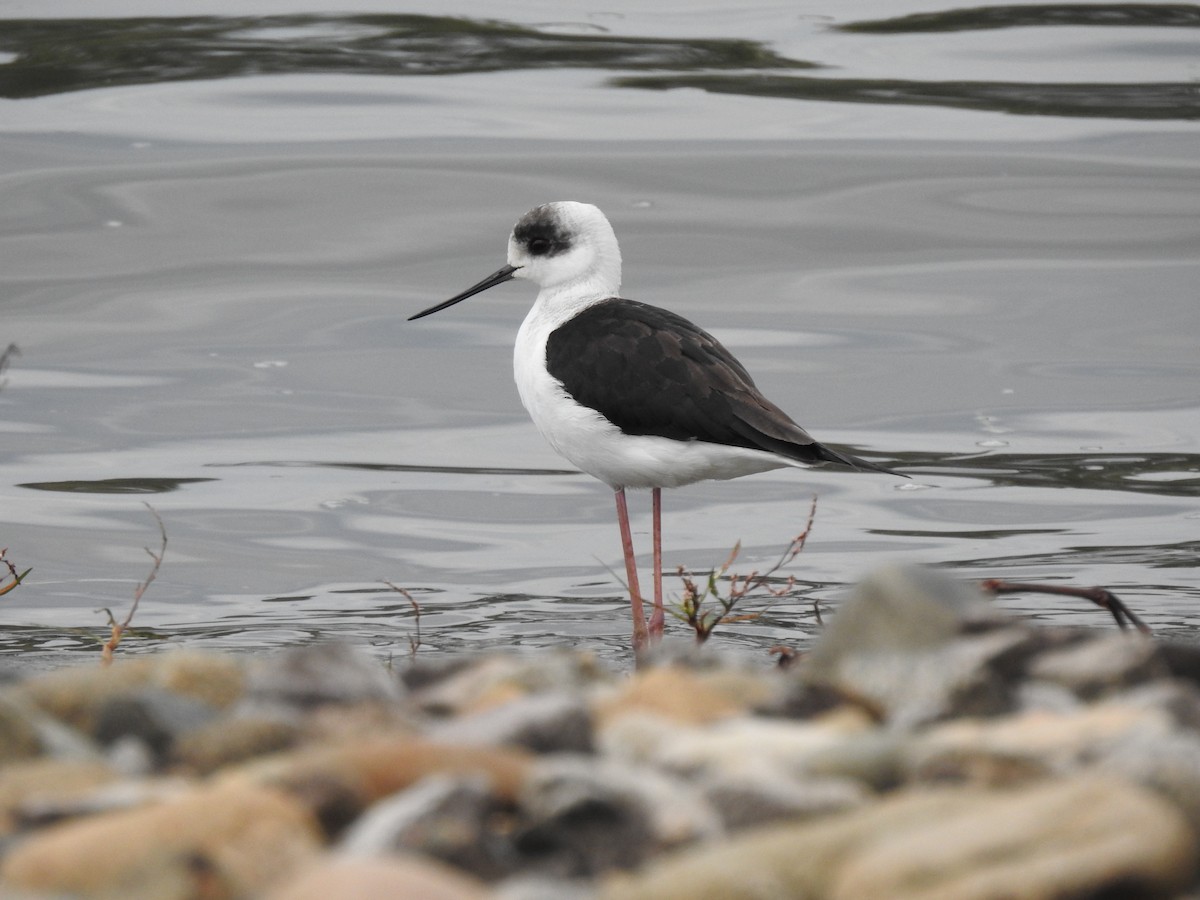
[652,372]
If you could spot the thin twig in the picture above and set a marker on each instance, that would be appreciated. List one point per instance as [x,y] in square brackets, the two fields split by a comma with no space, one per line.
[9,352]
[118,628]
[414,641]
[1102,597]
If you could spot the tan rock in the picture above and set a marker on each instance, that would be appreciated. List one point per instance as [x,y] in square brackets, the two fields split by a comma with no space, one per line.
[1052,840]
[376,767]
[241,837]
[502,678]
[1078,838]
[231,740]
[735,746]
[75,695]
[685,695]
[794,861]
[18,731]
[402,878]
[1038,740]
[1105,662]
[40,781]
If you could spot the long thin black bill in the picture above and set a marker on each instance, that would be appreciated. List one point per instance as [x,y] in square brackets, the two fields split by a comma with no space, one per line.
[498,277]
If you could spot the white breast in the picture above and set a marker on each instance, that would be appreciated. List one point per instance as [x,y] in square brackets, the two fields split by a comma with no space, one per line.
[596,446]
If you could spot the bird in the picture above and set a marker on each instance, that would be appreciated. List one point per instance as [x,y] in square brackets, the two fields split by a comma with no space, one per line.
[632,394]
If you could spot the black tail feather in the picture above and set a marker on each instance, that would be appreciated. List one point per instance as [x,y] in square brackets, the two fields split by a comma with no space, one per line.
[828,454]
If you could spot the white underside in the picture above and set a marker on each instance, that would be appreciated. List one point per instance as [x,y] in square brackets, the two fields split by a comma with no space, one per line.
[595,445]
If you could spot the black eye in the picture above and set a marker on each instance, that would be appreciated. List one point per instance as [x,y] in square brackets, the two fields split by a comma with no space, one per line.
[539,246]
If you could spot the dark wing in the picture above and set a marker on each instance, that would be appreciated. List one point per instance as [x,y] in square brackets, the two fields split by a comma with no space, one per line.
[651,372]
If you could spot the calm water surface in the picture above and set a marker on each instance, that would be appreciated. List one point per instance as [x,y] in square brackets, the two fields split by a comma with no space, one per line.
[965,244]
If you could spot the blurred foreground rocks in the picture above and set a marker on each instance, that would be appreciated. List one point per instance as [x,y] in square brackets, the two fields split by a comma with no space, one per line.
[927,747]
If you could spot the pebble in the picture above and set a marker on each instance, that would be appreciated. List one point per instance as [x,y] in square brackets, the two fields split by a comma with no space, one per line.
[410,878]
[302,678]
[553,722]
[245,837]
[927,748]
[30,786]
[19,737]
[1095,667]
[1076,838]
[457,820]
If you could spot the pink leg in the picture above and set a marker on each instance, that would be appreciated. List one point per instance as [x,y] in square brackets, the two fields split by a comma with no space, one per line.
[640,638]
[657,619]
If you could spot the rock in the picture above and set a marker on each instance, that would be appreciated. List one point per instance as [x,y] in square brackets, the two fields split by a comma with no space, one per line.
[30,785]
[1182,660]
[1104,663]
[425,670]
[19,737]
[555,722]
[127,793]
[1168,764]
[582,816]
[453,819]
[1077,838]
[151,715]
[1040,695]
[751,747]
[901,608]
[339,782]
[875,758]
[243,837]
[751,801]
[231,740]
[1177,698]
[1031,744]
[304,677]
[686,695]
[534,887]
[930,751]
[499,679]
[76,695]
[403,878]
[800,699]
[897,647]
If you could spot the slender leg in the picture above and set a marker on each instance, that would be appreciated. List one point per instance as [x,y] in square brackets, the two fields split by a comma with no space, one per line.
[640,638]
[658,617]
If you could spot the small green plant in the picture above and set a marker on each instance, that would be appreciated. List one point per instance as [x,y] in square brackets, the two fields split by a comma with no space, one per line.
[17,577]
[704,607]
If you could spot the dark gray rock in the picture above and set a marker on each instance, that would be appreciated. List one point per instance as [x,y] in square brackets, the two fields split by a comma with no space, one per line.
[744,803]
[455,820]
[543,723]
[302,678]
[1183,660]
[508,675]
[1105,663]
[152,716]
[581,817]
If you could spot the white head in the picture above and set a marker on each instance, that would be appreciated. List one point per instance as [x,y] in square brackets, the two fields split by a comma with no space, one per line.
[566,244]
[566,248]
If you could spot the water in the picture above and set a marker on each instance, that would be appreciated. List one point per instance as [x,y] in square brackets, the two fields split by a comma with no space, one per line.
[922,245]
